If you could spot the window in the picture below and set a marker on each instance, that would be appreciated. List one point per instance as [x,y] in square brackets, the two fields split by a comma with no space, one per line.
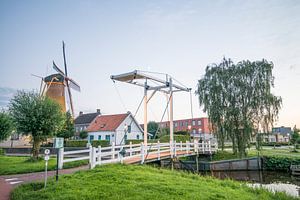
[125,137]
[193,123]
[186,123]
[194,131]
[107,137]
[137,137]
[128,128]
[175,124]
[181,124]
[199,122]
[99,137]
[91,138]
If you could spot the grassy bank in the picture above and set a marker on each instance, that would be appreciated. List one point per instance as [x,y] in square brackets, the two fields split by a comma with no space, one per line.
[140,182]
[19,165]
[282,153]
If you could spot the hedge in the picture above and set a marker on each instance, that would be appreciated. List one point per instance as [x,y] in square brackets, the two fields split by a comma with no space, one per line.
[102,143]
[82,143]
[274,163]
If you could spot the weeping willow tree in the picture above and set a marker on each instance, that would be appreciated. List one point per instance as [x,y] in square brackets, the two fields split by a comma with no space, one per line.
[238,100]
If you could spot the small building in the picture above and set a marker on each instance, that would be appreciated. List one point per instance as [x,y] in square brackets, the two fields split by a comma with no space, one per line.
[282,134]
[198,128]
[113,128]
[83,121]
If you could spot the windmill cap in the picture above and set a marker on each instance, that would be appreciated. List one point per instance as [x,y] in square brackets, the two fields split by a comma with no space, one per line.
[54,78]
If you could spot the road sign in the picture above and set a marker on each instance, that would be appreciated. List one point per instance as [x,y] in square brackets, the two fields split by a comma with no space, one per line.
[47,151]
[58,142]
[46,158]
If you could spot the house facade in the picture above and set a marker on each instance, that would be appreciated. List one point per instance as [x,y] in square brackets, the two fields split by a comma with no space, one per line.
[113,128]
[199,128]
[82,122]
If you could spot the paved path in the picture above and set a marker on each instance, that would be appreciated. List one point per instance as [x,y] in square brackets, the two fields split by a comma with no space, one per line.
[8,182]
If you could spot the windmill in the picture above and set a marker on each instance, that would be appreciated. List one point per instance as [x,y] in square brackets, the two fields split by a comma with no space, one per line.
[56,86]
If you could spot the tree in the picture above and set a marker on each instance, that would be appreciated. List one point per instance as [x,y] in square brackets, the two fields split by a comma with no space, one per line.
[83,134]
[6,125]
[68,127]
[152,128]
[238,100]
[295,137]
[38,116]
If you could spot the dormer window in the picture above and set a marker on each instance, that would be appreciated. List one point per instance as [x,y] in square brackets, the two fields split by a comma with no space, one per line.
[102,125]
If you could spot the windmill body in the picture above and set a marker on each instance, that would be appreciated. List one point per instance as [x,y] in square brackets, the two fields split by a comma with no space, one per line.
[55,84]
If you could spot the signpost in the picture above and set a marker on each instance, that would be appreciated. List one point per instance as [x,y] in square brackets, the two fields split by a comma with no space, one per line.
[58,143]
[46,158]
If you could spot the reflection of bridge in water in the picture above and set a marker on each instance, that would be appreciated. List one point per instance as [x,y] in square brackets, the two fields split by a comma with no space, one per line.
[137,153]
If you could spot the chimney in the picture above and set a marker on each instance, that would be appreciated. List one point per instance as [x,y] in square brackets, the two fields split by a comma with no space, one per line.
[98,111]
[80,113]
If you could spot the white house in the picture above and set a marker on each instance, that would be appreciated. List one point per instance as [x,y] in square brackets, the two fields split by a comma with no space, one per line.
[113,128]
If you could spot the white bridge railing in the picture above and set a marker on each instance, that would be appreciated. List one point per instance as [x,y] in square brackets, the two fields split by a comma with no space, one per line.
[135,152]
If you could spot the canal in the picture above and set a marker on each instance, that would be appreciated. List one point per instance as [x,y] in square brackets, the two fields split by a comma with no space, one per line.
[271,180]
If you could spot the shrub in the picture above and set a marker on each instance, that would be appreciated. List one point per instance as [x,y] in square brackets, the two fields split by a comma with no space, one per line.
[102,143]
[279,163]
[76,143]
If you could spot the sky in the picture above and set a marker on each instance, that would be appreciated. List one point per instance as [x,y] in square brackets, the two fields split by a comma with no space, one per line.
[179,38]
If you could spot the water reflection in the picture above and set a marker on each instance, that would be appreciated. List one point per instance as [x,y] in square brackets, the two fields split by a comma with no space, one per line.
[273,181]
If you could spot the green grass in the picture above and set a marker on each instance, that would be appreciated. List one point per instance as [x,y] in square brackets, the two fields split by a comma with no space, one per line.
[140,182]
[19,165]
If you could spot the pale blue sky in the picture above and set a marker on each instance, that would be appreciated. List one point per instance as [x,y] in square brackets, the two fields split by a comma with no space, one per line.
[175,37]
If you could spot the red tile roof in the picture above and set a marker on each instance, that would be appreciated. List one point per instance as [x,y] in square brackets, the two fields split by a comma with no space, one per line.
[106,122]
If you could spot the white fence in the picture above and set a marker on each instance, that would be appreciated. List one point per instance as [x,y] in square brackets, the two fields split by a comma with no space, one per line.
[135,152]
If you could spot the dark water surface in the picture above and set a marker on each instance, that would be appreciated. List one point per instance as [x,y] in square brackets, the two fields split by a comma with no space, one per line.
[271,180]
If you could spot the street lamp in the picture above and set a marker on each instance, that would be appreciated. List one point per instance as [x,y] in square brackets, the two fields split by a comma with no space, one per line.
[200,131]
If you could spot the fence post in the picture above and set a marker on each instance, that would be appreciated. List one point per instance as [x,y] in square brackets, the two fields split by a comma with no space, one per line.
[195,147]
[91,156]
[203,147]
[180,145]
[60,158]
[209,147]
[99,155]
[175,153]
[130,147]
[142,153]
[187,146]
[171,149]
[158,150]
[113,150]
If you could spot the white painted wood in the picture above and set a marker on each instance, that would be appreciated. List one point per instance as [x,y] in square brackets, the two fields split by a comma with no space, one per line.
[99,155]
[113,151]
[60,158]
[130,149]
[75,159]
[142,153]
[158,150]
[76,152]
